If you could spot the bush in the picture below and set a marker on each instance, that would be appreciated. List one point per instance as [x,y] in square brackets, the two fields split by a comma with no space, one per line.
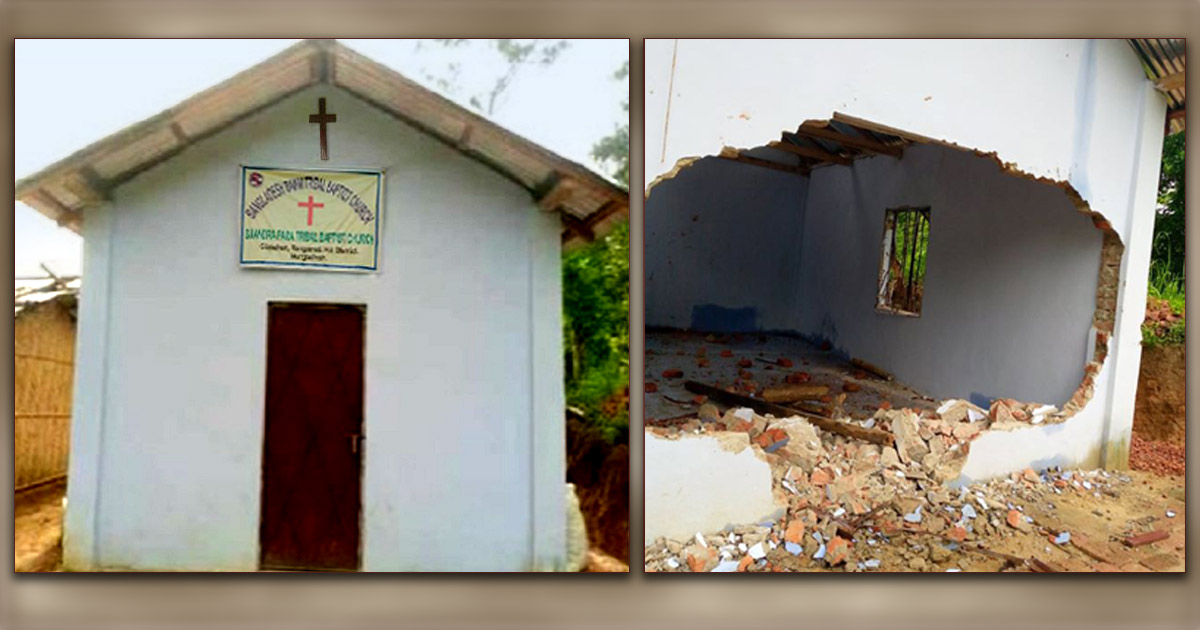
[596,332]
[1164,323]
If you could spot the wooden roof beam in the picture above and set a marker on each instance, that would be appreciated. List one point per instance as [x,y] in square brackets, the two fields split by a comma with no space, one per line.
[813,130]
[579,228]
[555,192]
[64,216]
[1170,82]
[810,152]
[745,159]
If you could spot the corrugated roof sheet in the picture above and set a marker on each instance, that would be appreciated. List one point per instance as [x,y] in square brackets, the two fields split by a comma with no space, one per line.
[1165,62]
[589,203]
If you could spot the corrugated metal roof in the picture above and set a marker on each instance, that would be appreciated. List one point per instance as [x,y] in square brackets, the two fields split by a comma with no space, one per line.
[589,204]
[1165,62]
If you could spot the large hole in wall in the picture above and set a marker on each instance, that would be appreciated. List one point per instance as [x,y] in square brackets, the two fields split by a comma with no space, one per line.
[764,265]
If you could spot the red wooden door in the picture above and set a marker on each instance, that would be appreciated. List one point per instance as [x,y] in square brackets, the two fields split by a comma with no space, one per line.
[312,448]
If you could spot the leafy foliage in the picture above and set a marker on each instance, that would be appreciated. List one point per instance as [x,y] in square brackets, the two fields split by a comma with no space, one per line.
[1165,299]
[1164,322]
[612,151]
[1167,253]
[596,330]
[516,54]
[596,308]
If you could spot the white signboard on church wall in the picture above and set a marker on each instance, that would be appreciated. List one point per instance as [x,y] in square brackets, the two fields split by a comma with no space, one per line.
[311,219]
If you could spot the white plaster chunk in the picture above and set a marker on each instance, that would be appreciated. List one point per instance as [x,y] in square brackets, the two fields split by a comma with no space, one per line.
[704,484]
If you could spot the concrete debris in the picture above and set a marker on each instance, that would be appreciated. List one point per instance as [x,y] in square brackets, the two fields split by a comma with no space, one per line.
[844,496]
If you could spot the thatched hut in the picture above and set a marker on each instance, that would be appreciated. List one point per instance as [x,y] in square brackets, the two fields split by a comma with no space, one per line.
[44,341]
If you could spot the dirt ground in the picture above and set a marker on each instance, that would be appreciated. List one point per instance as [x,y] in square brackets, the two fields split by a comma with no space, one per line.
[38,527]
[1158,415]
[1097,527]
[1098,519]
[674,357]
[38,533]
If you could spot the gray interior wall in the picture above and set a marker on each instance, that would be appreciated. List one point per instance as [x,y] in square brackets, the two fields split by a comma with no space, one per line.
[723,247]
[1009,287]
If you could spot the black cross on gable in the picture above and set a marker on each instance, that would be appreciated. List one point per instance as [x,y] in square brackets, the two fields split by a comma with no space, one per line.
[322,118]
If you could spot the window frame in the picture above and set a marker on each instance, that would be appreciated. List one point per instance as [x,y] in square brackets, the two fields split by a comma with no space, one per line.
[883,302]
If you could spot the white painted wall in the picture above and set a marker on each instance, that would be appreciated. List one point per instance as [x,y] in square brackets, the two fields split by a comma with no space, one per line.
[724,235]
[1063,109]
[170,424]
[1010,282]
[705,483]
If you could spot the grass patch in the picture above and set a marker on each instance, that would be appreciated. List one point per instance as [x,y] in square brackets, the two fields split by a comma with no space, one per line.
[1165,306]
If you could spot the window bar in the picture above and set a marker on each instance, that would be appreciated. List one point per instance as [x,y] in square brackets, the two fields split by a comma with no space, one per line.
[912,254]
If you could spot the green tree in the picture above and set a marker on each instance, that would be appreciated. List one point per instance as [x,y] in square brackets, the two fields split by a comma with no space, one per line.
[612,151]
[1167,252]
[596,306]
[516,54]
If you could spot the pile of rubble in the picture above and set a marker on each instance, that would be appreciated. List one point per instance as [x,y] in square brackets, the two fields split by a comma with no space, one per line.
[847,500]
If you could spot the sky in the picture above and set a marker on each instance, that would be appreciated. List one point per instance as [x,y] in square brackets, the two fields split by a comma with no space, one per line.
[70,93]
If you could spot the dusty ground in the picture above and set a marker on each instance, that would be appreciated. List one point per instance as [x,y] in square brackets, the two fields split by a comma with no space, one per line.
[38,528]
[38,534]
[751,362]
[1159,414]
[1128,504]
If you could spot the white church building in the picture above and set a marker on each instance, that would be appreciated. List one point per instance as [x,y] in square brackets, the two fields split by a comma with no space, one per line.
[320,328]
[781,174]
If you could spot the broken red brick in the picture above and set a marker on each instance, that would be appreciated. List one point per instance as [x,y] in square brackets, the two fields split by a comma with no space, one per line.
[795,532]
[837,550]
[746,374]
[1147,538]
[826,398]
[727,353]
[885,405]
[745,363]
[820,477]
[651,387]
[860,374]
[745,564]
[743,426]
[1015,519]
[785,362]
[763,440]
[695,563]
[958,533]
[700,399]
[851,387]
[672,373]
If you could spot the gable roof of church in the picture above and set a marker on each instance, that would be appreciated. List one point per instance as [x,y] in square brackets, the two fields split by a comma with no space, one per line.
[589,204]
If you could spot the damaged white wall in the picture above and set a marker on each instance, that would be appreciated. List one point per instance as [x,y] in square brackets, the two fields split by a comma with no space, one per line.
[1079,111]
[723,247]
[702,483]
[1010,281]
[463,467]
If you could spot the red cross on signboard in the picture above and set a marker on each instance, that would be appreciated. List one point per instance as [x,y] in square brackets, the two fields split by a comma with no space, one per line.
[322,118]
[310,205]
